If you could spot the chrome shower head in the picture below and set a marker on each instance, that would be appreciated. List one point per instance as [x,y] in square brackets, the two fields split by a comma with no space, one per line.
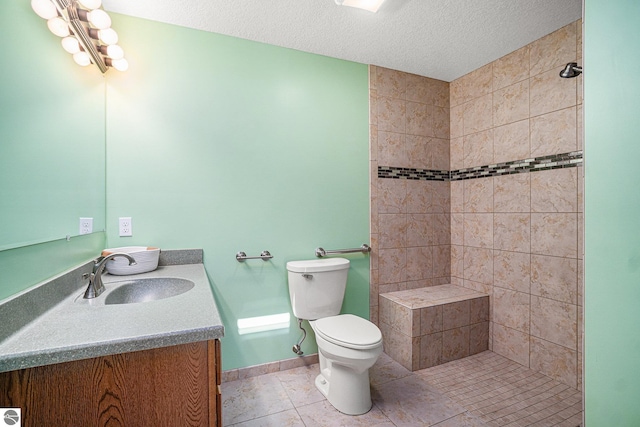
[571,70]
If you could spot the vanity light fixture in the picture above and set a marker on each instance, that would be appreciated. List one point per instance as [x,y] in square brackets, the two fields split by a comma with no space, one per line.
[370,5]
[86,31]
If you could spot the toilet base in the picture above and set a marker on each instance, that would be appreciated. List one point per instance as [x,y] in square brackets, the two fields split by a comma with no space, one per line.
[346,390]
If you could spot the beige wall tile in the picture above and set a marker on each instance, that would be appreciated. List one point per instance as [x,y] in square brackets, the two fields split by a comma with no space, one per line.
[438,154]
[398,346]
[373,107]
[442,261]
[455,343]
[478,337]
[373,143]
[555,190]
[439,121]
[511,232]
[478,195]
[554,321]
[457,262]
[554,234]
[554,133]
[478,265]
[427,90]
[418,121]
[392,266]
[477,114]
[457,196]
[457,229]
[555,361]
[478,82]
[478,230]
[456,93]
[456,121]
[393,230]
[430,320]
[478,149]
[548,92]
[510,343]
[391,195]
[391,114]
[441,226]
[553,51]
[418,198]
[456,152]
[511,309]
[391,149]
[512,193]
[580,127]
[479,310]
[372,77]
[555,278]
[391,83]
[418,155]
[511,68]
[419,263]
[511,142]
[440,196]
[512,270]
[419,230]
[455,315]
[430,350]
[511,104]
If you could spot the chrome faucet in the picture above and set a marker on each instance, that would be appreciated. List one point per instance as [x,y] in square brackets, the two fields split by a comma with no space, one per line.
[96,287]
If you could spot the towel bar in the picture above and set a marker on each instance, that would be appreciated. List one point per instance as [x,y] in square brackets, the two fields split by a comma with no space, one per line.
[364,249]
[264,255]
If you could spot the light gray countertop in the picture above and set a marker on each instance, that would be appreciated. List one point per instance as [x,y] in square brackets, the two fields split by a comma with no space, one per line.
[74,329]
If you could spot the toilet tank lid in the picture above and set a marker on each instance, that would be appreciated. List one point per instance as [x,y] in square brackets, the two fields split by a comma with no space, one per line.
[317,265]
[349,331]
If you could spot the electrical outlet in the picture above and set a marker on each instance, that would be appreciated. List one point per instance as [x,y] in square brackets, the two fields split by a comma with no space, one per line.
[125,226]
[86,225]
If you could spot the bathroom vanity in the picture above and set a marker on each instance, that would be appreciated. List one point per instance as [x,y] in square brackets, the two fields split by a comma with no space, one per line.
[69,361]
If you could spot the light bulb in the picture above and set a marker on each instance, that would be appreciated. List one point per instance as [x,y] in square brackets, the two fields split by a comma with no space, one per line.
[44,9]
[99,19]
[58,26]
[119,64]
[113,51]
[82,58]
[90,4]
[71,45]
[107,36]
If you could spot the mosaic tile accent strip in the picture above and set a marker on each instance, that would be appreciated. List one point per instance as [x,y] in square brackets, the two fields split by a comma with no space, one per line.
[554,161]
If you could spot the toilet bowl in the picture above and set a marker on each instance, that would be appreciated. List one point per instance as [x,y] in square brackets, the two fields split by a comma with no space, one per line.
[348,345]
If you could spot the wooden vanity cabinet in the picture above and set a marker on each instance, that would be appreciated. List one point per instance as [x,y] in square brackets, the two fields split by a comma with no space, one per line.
[168,386]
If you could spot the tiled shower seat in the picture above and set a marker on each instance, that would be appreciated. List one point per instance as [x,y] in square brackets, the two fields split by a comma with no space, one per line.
[429,326]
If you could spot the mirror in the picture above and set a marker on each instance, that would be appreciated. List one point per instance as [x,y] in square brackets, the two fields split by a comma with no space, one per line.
[52,134]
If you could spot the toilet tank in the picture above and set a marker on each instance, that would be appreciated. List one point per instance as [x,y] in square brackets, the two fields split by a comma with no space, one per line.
[316,287]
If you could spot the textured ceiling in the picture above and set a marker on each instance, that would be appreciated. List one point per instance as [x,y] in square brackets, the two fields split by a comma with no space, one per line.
[442,39]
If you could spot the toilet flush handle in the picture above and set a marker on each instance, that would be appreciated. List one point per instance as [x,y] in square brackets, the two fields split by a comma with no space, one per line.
[307,276]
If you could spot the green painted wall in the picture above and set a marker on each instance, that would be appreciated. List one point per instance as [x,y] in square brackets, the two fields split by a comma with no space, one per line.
[229,145]
[52,152]
[612,213]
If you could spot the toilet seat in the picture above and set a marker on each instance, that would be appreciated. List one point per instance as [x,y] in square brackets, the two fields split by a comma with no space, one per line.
[349,331]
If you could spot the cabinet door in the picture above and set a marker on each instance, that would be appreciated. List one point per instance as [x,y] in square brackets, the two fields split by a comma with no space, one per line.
[166,386]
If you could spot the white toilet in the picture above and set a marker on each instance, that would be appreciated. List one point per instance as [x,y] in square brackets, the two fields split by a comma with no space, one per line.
[348,345]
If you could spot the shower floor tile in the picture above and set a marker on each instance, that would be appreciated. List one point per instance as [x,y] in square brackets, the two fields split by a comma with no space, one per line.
[483,390]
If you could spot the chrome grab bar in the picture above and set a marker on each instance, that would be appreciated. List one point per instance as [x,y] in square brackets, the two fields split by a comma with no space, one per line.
[264,255]
[364,249]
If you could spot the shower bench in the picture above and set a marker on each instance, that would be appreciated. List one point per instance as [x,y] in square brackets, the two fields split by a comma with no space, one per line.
[429,326]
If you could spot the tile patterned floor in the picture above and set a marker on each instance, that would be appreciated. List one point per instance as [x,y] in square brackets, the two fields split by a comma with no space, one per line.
[483,390]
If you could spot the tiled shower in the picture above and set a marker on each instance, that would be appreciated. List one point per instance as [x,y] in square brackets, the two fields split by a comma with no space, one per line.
[478,182]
